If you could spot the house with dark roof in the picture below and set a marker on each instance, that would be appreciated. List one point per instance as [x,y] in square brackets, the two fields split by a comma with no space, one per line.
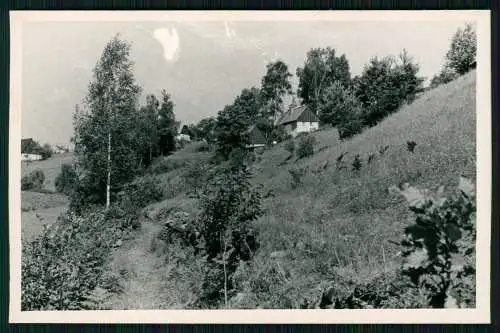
[299,119]
[255,137]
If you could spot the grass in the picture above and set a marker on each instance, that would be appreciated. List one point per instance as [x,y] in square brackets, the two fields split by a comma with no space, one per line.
[346,220]
[37,208]
[50,167]
[336,226]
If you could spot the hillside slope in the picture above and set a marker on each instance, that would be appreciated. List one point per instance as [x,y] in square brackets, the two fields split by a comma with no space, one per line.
[337,224]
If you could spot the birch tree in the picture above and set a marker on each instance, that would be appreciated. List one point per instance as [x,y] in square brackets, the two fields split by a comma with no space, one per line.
[104,129]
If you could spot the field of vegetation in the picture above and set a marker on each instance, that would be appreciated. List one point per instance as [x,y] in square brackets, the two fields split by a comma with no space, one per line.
[374,210]
[44,207]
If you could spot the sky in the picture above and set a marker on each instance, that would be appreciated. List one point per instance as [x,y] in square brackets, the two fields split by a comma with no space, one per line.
[203,65]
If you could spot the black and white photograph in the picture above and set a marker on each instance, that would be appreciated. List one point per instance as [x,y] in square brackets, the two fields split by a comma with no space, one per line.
[170,163]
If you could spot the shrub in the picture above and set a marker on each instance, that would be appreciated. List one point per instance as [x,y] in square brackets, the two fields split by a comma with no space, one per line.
[229,205]
[33,181]
[290,146]
[141,192]
[356,163]
[165,165]
[195,175]
[444,230]
[371,157]
[297,175]
[350,126]
[339,162]
[339,105]
[410,145]
[62,268]
[462,54]
[66,181]
[306,146]
[445,75]
[382,150]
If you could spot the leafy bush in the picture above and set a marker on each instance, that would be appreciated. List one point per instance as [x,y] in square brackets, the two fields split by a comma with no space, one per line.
[63,266]
[339,106]
[33,181]
[410,145]
[141,192]
[66,181]
[445,75]
[306,146]
[290,146]
[195,175]
[385,85]
[461,56]
[439,249]
[165,165]
[339,162]
[297,175]
[356,163]
[351,125]
[229,206]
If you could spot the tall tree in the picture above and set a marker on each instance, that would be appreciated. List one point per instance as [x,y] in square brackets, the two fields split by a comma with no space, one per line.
[147,123]
[206,129]
[385,85]
[321,68]
[104,135]
[462,53]
[275,85]
[234,120]
[167,125]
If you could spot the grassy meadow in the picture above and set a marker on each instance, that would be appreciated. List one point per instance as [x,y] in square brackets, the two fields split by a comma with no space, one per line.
[334,225]
[37,208]
[337,225]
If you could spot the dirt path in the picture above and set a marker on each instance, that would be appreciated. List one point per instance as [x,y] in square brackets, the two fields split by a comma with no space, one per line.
[142,272]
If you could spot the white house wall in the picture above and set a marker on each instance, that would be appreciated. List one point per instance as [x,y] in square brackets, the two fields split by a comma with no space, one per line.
[304,127]
[31,157]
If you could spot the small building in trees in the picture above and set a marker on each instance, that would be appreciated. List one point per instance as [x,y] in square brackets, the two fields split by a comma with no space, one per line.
[183,137]
[255,137]
[299,119]
[31,157]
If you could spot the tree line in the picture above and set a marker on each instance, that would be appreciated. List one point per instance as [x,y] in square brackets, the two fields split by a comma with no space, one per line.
[115,137]
[326,86]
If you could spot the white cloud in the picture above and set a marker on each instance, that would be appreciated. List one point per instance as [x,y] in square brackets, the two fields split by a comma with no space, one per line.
[230,33]
[169,39]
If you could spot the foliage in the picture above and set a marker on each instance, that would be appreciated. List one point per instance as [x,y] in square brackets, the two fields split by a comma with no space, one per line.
[147,130]
[439,249]
[234,120]
[141,192]
[104,138]
[297,175]
[33,181]
[336,103]
[66,181]
[356,163]
[446,75]
[61,268]
[385,85]
[164,165]
[275,85]
[167,125]
[410,145]
[290,146]
[321,69]
[196,175]
[205,128]
[461,56]
[30,146]
[306,146]
[229,205]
